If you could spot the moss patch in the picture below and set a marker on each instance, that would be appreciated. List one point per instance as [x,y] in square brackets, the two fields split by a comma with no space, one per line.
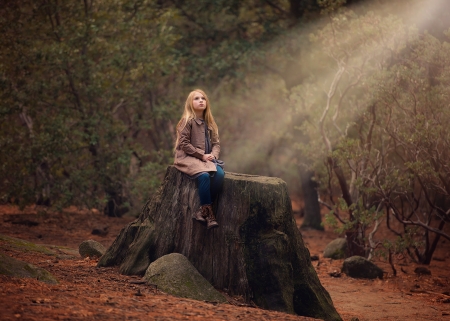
[24,246]
[12,267]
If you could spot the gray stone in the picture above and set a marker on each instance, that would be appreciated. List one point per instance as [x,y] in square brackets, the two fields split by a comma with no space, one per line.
[175,275]
[361,268]
[336,249]
[91,248]
[420,270]
[13,267]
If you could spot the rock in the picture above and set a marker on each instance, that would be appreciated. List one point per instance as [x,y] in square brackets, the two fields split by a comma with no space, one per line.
[91,248]
[335,274]
[359,267]
[420,270]
[13,267]
[174,274]
[336,249]
[100,230]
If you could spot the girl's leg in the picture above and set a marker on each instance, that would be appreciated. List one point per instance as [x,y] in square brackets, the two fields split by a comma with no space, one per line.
[208,186]
[217,182]
[204,189]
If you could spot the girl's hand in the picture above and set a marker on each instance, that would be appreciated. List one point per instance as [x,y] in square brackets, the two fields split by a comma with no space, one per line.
[207,157]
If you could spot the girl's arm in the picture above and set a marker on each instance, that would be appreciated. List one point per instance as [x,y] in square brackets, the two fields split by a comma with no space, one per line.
[185,142]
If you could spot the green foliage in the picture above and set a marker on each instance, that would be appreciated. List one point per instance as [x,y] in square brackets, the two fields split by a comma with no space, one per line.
[144,185]
[90,93]
[84,86]
[77,76]
[381,128]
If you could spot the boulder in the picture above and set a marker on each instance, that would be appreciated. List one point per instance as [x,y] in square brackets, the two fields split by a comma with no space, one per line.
[91,248]
[361,268]
[336,249]
[420,270]
[13,267]
[175,275]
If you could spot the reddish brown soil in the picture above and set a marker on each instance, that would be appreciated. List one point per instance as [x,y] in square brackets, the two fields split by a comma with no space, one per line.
[89,293]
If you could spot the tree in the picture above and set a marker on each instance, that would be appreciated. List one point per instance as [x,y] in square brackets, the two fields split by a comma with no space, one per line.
[414,99]
[77,75]
[374,110]
[98,85]
[257,252]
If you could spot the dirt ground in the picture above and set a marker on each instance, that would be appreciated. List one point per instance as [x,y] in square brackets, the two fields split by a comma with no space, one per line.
[85,292]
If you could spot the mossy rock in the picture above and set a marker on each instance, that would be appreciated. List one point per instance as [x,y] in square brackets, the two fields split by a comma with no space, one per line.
[175,275]
[91,248]
[361,268]
[336,249]
[24,246]
[13,267]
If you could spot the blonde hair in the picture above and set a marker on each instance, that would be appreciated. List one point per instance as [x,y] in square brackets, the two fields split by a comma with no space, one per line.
[189,114]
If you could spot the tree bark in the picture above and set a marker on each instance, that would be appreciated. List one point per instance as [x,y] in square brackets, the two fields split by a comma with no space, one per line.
[256,252]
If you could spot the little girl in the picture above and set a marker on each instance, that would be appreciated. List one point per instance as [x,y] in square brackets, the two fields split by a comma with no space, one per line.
[197,153]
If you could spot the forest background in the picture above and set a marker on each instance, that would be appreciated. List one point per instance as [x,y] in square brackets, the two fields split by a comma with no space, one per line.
[347,101]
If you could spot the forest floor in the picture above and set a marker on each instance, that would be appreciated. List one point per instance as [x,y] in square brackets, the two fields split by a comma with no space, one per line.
[85,292]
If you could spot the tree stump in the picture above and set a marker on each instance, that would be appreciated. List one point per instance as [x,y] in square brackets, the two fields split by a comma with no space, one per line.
[256,252]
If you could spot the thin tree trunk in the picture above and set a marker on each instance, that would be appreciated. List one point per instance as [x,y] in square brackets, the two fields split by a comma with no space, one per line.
[312,218]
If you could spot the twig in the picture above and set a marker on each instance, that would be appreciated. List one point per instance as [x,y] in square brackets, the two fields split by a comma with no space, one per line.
[429,292]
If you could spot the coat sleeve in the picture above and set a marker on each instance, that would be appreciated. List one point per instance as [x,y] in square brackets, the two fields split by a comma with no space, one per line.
[185,142]
[215,143]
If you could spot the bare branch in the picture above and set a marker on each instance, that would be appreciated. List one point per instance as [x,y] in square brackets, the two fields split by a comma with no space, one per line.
[428,228]
[338,107]
[330,95]
[372,243]
[118,106]
[273,5]
[325,204]
[27,120]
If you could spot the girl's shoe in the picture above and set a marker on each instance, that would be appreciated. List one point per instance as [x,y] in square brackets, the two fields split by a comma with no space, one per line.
[201,214]
[210,219]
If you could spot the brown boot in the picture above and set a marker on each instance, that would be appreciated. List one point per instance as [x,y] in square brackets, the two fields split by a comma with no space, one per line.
[210,219]
[201,214]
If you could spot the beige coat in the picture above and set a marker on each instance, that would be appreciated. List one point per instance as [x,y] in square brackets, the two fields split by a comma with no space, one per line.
[191,148]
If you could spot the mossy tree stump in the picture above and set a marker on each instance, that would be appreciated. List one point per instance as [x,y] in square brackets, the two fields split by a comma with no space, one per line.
[256,252]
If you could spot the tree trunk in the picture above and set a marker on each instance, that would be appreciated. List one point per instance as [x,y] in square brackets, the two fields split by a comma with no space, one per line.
[256,252]
[312,217]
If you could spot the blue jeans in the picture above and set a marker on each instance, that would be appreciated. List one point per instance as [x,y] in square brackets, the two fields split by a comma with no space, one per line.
[209,186]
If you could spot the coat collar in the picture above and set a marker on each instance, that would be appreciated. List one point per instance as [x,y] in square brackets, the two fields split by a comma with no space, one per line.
[198,121]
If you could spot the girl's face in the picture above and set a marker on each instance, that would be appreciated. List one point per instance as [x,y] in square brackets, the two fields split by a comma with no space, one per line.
[199,104]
